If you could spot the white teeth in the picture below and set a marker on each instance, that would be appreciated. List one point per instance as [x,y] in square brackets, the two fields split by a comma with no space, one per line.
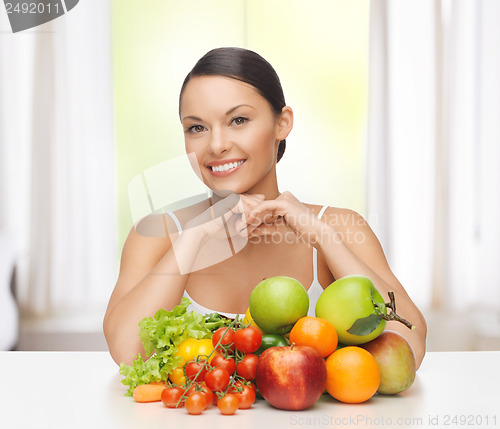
[226,167]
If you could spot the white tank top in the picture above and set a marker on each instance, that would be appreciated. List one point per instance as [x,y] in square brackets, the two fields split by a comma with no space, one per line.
[314,291]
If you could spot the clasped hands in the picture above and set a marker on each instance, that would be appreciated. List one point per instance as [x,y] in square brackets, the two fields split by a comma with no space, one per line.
[250,215]
[234,220]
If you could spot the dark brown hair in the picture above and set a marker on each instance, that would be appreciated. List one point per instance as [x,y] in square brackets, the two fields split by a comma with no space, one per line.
[246,66]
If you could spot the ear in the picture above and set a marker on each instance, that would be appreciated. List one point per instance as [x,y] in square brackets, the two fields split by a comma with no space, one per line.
[285,123]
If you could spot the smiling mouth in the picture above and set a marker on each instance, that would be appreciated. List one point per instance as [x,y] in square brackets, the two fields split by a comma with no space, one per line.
[225,168]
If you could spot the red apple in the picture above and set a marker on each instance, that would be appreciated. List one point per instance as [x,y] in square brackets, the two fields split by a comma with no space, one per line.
[291,377]
[396,360]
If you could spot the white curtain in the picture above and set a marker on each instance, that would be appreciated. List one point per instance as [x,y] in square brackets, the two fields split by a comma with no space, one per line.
[434,148]
[57,159]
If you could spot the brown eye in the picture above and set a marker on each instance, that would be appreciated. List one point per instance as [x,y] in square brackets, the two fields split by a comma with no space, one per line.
[196,129]
[240,120]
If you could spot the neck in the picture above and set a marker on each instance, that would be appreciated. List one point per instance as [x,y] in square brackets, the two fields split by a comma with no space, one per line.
[267,187]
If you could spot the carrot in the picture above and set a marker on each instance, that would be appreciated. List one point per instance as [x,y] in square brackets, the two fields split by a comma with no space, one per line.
[149,392]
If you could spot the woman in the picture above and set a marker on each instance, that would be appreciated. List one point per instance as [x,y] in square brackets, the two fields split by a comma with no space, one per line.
[235,122]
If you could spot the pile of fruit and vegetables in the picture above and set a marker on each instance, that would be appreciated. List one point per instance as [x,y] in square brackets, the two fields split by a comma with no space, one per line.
[276,352]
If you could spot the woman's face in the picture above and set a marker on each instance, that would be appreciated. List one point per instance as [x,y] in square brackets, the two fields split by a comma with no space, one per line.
[233,132]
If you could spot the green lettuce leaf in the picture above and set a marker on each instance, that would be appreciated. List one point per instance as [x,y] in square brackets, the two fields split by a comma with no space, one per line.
[160,336]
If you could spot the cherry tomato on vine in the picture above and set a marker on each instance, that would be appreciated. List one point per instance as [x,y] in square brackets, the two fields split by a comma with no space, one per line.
[248,366]
[253,387]
[245,392]
[217,379]
[248,340]
[222,362]
[228,404]
[170,397]
[196,403]
[227,336]
[202,388]
[196,370]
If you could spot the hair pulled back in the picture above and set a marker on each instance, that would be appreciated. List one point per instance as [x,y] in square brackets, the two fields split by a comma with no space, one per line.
[246,66]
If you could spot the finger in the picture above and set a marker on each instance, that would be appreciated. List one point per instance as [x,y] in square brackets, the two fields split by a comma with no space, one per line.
[237,227]
[279,223]
[227,204]
[260,218]
[270,229]
[268,211]
[262,229]
[245,206]
[240,227]
[251,201]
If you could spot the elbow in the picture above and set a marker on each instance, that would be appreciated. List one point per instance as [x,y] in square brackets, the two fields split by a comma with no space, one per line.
[120,357]
[120,349]
[120,353]
[422,340]
[415,337]
[110,337]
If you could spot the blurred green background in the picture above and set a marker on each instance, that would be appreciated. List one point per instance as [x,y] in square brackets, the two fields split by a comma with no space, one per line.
[319,49]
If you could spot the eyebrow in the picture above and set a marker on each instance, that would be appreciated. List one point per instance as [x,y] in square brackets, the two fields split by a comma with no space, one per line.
[231,110]
[237,107]
[194,118]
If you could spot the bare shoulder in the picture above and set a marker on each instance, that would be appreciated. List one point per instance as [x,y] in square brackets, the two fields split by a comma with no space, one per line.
[340,218]
[316,209]
[357,234]
[344,219]
[147,242]
[354,229]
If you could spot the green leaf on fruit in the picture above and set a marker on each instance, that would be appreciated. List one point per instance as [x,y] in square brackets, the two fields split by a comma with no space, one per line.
[365,325]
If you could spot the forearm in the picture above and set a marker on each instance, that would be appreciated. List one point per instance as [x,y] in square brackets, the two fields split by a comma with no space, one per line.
[163,287]
[342,261]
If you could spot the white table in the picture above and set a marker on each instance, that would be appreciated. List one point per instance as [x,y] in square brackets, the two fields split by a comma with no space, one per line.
[50,390]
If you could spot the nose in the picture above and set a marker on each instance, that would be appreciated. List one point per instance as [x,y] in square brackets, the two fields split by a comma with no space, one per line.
[219,143]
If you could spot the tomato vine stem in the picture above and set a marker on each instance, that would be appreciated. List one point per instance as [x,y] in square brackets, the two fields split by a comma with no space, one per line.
[192,381]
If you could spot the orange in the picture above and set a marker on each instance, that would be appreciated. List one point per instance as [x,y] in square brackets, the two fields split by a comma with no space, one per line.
[315,332]
[353,375]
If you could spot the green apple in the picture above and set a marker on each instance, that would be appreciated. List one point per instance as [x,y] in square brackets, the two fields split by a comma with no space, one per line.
[348,299]
[277,303]
[396,361]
